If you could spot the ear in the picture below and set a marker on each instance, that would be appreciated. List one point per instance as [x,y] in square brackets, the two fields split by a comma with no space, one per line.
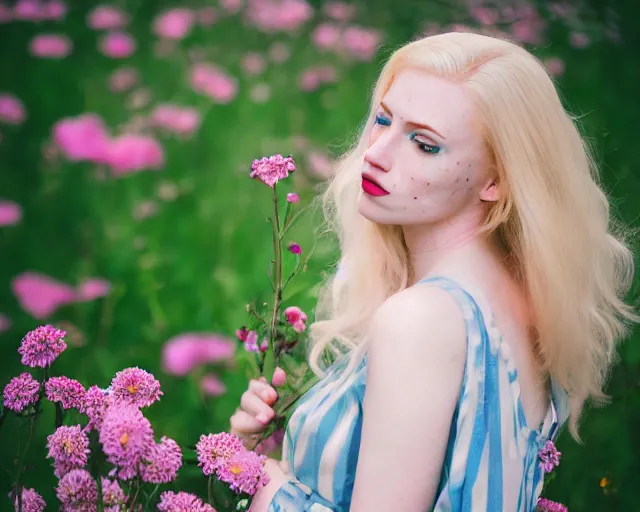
[490,193]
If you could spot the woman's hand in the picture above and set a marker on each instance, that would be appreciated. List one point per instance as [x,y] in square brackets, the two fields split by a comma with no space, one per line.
[255,411]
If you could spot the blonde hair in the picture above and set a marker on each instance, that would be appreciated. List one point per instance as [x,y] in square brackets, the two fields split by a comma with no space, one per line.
[553,218]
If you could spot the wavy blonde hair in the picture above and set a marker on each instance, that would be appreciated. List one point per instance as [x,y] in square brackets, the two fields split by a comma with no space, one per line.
[553,218]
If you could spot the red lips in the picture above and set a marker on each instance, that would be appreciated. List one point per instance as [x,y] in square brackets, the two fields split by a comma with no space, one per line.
[372,187]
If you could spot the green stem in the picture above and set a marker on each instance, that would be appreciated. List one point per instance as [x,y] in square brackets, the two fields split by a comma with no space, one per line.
[59,415]
[269,361]
[151,496]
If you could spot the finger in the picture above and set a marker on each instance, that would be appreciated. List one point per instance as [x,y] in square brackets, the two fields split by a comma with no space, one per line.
[255,406]
[264,391]
[243,424]
[279,377]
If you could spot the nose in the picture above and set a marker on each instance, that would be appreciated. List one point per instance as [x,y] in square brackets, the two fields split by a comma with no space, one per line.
[379,154]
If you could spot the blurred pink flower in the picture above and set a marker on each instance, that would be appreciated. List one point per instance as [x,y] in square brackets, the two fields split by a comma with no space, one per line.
[278,15]
[10,213]
[82,138]
[292,197]
[6,14]
[309,80]
[5,323]
[139,98]
[579,40]
[340,11]
[485,15]
[40,295]
[184,352]
[562,10]
[93,288]
[28,10]
[279,52]
[145,209]
[55,10]
[175,23]
[176,119]
[231,6]
[11,109]
[554,65]
[326,35]
[296,318]
[123,79]
[529,27]
[117,45]
[260,93]
[167,191]
[361,43]
[214,82]
[319,164]
[107,17]
[207,16]
[212,385]
[253,63]
[132,152]
[51,46]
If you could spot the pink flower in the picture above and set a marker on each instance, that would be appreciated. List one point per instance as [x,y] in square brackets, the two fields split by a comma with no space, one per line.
[340,11]
[244,472]
[362,43]
[549,457]
[40,295]
[215,450]
[28,10]
[296,317]
[113,497]
[295,248]
[207,16]
[161,464]
[270,170]
[117,45]
[320,164]
[11,109]
[126,437]
[69,392]
[82,138]
[6,14]
[181,501]
[231,6]
[145,209]
[5,323]
[137,387]
[40,347]
[212,81]
[107,17]
[55,10]
[21,392]
[554,65]
[309,81]
[77,490]
[485,15]
[242,333]
[260,93]
[326,36]
[278,15]
[292,197]
[51,46]
[279,52]
[253,63]
[529,30]
[10,213]
[184,352]
[579,40]
[69,449]
[95,405]
[174,24]
[545,505]
[133,153]
[211,384]
[251,342]
[180,120]
[123,79]
[31,501]
[93,288]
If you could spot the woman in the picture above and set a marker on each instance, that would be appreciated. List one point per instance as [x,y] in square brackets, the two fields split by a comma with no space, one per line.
[481,298]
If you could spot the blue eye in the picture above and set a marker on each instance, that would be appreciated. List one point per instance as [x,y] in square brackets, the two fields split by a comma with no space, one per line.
[424,147]
[383,120]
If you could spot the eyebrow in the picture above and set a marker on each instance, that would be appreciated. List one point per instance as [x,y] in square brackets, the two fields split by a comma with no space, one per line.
[413,123]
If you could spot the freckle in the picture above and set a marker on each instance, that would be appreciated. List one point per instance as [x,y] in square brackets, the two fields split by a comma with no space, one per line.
[467,179]
[457,180]
[415,198]
[458,162]
[428,183]
[468,165]
[411,179]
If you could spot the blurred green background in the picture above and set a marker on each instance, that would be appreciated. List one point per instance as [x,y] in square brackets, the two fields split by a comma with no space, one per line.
[185,247]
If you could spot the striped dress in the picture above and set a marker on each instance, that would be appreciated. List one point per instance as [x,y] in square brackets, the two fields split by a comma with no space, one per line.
[491,462]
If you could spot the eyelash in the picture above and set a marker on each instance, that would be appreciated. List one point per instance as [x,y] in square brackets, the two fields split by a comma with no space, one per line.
[422,146]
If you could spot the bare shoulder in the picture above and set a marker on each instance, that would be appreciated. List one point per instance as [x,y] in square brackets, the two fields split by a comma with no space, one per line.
[421,318]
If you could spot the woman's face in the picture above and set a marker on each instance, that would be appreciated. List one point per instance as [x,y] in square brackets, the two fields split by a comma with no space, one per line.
[427,162]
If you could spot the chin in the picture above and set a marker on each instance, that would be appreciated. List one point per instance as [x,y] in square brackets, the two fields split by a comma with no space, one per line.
[372,211]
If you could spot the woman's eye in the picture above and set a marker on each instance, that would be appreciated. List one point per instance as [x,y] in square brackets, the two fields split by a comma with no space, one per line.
[428,148]
[382,120]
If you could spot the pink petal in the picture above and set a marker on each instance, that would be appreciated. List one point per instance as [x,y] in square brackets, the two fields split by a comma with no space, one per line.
[184,352]
[93,288]
[10,213]
[40,295]
[212,385]
[5,323]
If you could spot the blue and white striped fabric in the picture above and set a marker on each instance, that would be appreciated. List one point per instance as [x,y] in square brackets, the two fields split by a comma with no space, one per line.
[491,462]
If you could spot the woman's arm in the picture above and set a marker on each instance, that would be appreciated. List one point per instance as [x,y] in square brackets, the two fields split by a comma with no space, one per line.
[415,368]
[277,478]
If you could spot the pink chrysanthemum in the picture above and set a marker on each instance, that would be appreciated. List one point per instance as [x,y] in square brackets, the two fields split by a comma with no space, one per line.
[78,491]
[182,501]
[215,450]
[545,505]
[245,472]
[113,497]
[162,462]
[136,387]
[95,405]
[69,449]
[40,347]
[69,392]
[126,437]
[21,392]
[31,501]
[270,170]
[549,457]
